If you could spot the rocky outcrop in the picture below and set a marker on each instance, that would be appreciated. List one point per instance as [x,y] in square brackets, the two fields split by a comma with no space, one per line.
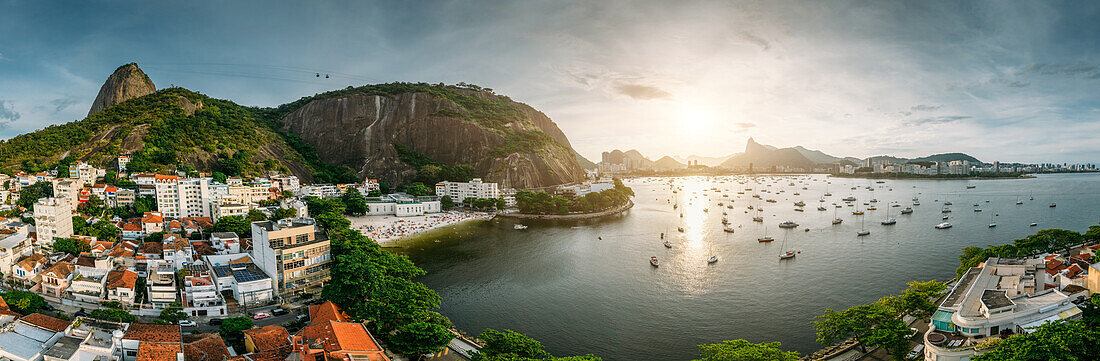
[359,130]
[127,82]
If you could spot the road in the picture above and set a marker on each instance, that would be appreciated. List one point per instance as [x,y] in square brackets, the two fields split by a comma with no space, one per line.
[203,324]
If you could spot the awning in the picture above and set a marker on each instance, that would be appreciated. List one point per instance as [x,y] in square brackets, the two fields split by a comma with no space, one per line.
[1058,317]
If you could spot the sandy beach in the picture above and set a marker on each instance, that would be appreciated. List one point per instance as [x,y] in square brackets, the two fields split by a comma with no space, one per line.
[389,229]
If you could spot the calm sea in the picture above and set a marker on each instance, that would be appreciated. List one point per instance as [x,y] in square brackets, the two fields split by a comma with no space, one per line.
[589,288]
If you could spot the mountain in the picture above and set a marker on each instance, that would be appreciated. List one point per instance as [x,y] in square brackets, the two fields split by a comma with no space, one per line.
[763,157]
[816,156]
[127,82]
[584,163]
[947,157]
[632,159]
[667,163]
[396,132]
[368,128]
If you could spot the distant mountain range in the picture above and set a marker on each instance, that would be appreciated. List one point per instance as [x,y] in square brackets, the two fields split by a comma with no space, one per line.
[762,157]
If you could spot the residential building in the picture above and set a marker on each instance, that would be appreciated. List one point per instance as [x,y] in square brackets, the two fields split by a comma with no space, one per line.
[327,311]
[29,337]
[26,270]
[88,340]
[121,286]
[475,188]
[68,191]
[226,209]
[150,341]
[177,251]
[184,197]
[53,218]
[152,222]
[1002,297]
[123,160]
[247,283]
[334,340]
[300,208]
[293,252]
[200,295]
[13,246]
[85,173]
[55,280]
[161,283]
[209,347]
[268,342]
[226,242]
[125,197]
[89,282]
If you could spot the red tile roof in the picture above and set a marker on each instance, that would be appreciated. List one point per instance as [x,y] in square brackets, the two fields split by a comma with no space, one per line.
[270,340]
[204,347]
[152,332]
[46,322]
[339,336]
[60,270]
[327,311]
[121,278]
[5,310]
[149,351]
[152,217]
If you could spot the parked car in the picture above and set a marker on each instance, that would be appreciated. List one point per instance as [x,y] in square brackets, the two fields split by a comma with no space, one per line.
[215,321]
[303,317]
[187,323]
[913,332]
[916,352]
[261,315]
[279,311]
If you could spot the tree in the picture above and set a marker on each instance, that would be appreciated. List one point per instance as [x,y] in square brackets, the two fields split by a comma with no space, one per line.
[918,300]
[71,246]
[93,207]
[1060,340]
[857,322]
[283,213]
[510,343]
[892,335]
[236,224]
[172,314]
[218,177]
[24,302]
[255,215]
[421,338]
[419,189]
[112,314]
[741,350]
[30,194]
[354,204]
[446,202]
[233,328]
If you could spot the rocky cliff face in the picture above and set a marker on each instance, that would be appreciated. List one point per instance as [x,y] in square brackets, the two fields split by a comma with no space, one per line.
[127,82]
[359,130]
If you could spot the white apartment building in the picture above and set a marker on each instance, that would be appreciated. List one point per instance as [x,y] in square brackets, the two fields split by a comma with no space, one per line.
[86,173]
[475,188]
[237,273]
[184,197]
[161,283]
[1005,296]
[53,218]
[67,190]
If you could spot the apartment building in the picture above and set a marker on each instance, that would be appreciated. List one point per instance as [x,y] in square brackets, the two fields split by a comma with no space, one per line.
[53,218]
[475,188]
[1004,296]
[402,205]
[185,197]
[293,252]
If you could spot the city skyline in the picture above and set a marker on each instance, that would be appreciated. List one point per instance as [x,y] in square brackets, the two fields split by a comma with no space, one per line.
[849,79]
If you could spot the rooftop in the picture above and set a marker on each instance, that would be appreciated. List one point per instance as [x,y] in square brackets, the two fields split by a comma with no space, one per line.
[64,348]
[994,299]
[152,332]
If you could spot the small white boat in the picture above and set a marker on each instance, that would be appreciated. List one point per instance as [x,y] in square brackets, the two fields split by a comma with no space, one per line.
[821,208]
[1033,224]
[653,261]
[757,219]
[787,255]
[668,245]
[837,220]
[788,224]
[944,225]
[863,233]
[728,229]
[889,222]
[1052,205]
[519,227]
[712,259]
[907,210]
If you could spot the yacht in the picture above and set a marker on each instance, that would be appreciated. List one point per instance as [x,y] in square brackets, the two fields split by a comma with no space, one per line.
[977,209]
[787,255]
[821,208]
[857,212]
[947,203]
[653,261]
[916,203]
[837,220]
[1052,205]
[1033,224]
[758,219]
[519,227]
[727,229]
[991,224]
[712,259]
[944,225]
[971,187]
[788,224]
[889,222]
[681,229]
[907,210]
[800,204]
[668,245]
[849,199]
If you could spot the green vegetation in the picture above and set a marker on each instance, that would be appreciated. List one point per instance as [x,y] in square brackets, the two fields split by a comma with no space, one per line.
[1047,240]
[24,302]
[741,350]
[112,314]
[354,203]
[102,230]
[232,331]
[172,314]
[71,246]
[430,171]
[372,284]
[545,203]
[30,194]
[482,204]
[514,346]
[236,224]
[879,323]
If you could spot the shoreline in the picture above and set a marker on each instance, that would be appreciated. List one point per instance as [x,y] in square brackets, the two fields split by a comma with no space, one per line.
[1024,176]
[568,217]
[390,230]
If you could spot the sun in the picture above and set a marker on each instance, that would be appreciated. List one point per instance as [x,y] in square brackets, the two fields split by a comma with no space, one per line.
[694,120]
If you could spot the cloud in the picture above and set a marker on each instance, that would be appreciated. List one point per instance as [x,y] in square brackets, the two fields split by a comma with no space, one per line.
[642,92]
[7,114]
[63,103]
[1011,83]
[936,120]
[925,107]
[1079,70]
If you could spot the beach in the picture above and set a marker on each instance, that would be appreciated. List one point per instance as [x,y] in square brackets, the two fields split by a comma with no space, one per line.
[389,229]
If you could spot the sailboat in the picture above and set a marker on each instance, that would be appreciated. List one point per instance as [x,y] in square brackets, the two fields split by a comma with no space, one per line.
[1018,201]
[991,224]
[765,238]
[836,220]
[863,230]
[788,254]
[889,221]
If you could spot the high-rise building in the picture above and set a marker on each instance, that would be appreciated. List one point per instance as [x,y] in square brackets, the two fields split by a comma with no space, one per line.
[475,188]
[293,252]
[184,197]
[53,218]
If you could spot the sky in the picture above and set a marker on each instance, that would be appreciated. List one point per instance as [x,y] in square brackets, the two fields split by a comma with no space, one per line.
[1007,81]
